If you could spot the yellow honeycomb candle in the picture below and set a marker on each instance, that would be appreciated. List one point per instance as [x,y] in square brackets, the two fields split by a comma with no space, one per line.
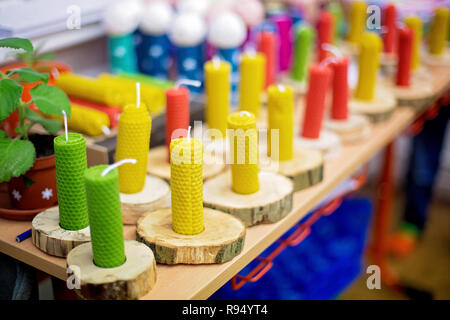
[415,23]
[439,31]
[357,21]
[133,140]
[369,61]
[243,138]
[186,184]
[252,79]
[217,89]
[281,111]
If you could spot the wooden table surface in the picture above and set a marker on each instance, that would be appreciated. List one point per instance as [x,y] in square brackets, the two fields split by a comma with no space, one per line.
[200,281]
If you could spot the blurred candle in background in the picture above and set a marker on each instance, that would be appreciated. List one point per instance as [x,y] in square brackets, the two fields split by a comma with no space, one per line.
[369,62]
[217,91]
[339,107]
[186,185]
[415,23]
[324,33]
[252,81]
[405,44]
[243,139]
[304,38]
[439,31]
[390,25]
[283,24]
[357,23]
[267,45]
[280,105]
[318,85]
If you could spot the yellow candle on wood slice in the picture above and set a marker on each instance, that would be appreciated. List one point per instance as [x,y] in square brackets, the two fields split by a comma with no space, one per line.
[186,184]
[243,138]
[133,142]
[439,31]
[369,62]
[415,23]
[357,21]
[252,79]
[217,89]
[281,111]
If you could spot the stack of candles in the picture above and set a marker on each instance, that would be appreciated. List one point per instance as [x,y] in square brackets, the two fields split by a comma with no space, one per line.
[252,79]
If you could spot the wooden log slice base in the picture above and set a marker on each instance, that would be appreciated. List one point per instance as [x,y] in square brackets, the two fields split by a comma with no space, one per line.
[129,281]
[379,109]
[434,60]
[221,240]
[159,166]
[388,63]
[328,144]
[271,203]
[355,128]
[48,236]
[155,195]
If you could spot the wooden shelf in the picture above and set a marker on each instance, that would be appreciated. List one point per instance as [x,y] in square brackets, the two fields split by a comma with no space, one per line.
[200,281]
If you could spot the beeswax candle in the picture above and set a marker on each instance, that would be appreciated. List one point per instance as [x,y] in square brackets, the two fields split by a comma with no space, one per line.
[217,89]
[281,110]
[267,45]
[324,30]
[415,23]
[105,216]
[252,80]
[70,162]
[243,138]
[390,35]
[439,31]
[318,84]
[357,21]
[186,184]
[177,113]
[304,37]
[405,43]
[369,61]
[133,141]
[339,108]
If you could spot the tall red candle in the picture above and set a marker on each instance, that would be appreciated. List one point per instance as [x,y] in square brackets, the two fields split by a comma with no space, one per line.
[319,82]
[389,39]
[324,29]
[339,108]
[405,43]
[268,46]
[177,113]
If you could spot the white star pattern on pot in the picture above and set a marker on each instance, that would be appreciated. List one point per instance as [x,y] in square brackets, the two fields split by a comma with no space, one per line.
[16,194]
[189,64]
[47,194]
[119,52]
[156,51]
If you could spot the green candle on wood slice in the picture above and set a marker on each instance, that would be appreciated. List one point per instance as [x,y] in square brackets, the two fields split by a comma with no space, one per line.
[304,36]
[105,216]
[70,162]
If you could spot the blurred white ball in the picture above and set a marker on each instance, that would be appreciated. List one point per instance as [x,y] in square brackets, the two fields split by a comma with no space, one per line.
[251,11]
[198,6]
[188,29]
[122,17]
[156,17]
[227,30]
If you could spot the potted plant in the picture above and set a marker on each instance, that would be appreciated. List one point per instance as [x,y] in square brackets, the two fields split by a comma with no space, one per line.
[27,161]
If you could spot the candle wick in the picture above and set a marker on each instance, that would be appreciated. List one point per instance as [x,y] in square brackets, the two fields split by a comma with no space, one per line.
[117,164]
[106,130]
[138,94]
[246,113]
[281,87]
[189,133]
[189,82]
[216,61]
[327,61]
[333,50]
[65,124]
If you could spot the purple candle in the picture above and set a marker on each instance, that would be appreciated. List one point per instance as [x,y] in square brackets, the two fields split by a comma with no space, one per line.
[283,24]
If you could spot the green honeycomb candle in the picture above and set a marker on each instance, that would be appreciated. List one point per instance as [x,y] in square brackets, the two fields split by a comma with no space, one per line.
[70,160]
[105,216]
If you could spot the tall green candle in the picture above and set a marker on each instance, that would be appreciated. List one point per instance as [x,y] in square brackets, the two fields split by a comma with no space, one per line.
[70,161]
[304,36]
[105,216]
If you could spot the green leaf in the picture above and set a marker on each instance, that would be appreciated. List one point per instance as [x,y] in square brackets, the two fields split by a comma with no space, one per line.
[16,43]
[28,74]
[10,92]
[50,100]
[3,134]
[45,56]
[16,158]
[27,181]
[51,125]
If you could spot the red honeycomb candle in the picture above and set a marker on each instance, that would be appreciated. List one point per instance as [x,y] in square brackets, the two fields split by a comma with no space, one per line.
[319,82]
[324,29]
[339,107]
[268,46]
[177,114]
[389,39]
[405,42]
